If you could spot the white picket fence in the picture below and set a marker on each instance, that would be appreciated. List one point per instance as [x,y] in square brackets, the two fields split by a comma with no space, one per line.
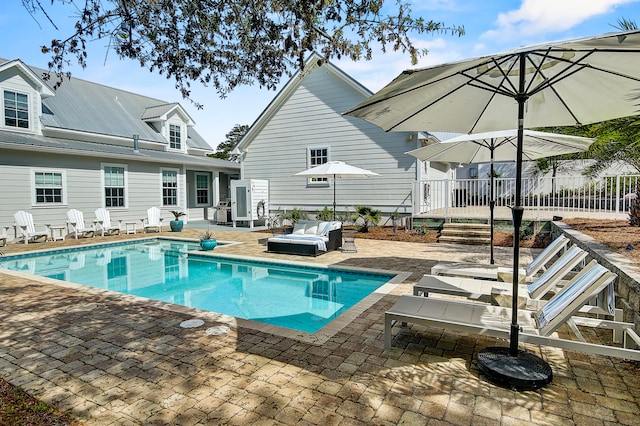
[543,197]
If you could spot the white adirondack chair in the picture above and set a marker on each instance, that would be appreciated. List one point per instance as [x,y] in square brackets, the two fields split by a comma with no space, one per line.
[25,228]
[78,227]
[103,217]
[153,220]
[3,236]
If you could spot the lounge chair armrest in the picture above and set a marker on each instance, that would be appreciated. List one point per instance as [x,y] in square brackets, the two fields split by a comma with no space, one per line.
[335,239]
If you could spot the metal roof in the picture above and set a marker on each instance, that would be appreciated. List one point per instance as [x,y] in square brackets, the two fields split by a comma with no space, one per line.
[84,106]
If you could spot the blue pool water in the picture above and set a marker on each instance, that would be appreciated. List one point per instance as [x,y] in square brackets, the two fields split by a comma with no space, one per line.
[301,298]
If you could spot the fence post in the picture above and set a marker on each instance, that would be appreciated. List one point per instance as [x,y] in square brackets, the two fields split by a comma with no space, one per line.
[618,194]
[538,196]
[446,199]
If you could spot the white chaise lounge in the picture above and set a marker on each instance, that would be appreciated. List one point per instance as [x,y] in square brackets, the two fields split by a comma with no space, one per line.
[538,327]
[484,289]
[479,270]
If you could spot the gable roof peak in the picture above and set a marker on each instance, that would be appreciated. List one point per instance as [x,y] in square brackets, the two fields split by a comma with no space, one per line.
[36,80]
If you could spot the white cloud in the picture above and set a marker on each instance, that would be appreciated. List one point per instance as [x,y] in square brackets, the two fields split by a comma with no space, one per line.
[536,17]
[384,67]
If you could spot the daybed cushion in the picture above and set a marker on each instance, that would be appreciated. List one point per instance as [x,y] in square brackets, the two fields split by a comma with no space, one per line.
[309,233]
[298,228]
[302,240]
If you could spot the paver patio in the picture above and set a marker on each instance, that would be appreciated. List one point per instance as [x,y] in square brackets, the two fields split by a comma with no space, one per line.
[115,360]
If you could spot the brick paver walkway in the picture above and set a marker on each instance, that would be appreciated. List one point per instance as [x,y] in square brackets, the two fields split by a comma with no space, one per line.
[115,360]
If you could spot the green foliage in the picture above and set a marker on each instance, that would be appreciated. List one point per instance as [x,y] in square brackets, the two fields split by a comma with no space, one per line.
[177,215]
[347,217]
[227,44]
[616,141]
[206,236]
[634,209]
[325,214]
[368,217]
[233,137]
[294,216]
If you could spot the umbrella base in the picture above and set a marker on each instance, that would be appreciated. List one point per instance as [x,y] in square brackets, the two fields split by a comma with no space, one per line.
[523,371]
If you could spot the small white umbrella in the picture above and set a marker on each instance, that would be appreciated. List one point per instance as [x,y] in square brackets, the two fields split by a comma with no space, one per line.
[336,169]
[500,145]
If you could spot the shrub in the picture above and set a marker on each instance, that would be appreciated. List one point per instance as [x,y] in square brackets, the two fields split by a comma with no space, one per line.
[368,217]
[294,216]
[325,214]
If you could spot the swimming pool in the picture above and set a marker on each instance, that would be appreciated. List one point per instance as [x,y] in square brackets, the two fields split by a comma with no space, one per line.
[296,297]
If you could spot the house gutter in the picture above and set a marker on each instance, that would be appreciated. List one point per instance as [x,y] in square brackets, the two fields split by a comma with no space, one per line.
[98,154]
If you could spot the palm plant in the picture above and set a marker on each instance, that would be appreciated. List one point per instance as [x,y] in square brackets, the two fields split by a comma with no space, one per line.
[177,214]
[368,216]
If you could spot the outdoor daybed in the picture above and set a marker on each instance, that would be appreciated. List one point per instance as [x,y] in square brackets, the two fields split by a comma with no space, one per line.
[308,238]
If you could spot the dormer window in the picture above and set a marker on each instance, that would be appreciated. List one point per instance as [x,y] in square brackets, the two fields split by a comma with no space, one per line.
[175,138]
[16,110]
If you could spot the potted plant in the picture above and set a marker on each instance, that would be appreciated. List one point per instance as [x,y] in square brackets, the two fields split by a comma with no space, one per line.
[207,242]
[176,225]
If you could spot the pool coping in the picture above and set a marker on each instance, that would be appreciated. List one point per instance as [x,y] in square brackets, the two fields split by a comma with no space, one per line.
[319,337]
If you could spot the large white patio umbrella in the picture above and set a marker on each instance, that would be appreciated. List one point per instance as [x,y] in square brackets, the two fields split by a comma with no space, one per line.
[500,145]
[336,169]
[553,84]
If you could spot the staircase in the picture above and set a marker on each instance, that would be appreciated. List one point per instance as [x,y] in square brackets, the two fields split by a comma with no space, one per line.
[465,233]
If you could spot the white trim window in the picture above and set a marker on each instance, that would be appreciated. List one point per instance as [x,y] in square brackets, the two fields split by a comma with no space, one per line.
[49,188]
[202,189]
[16,109]
[317,156]
[114,177]
[169,187]
[175,136]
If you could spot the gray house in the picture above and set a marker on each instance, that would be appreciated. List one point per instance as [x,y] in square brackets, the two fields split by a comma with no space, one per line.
[86,146]
[303,126]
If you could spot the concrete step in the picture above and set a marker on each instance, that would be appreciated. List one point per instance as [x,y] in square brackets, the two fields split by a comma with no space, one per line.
[466,233]
[467,225]
[464,240]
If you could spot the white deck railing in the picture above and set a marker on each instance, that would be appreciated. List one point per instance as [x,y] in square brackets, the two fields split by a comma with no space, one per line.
[541,197]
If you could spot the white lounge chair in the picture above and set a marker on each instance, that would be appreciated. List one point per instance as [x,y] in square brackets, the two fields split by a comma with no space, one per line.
[484,289]
[538,327]
[479,270]
[103,218]
[78,227]
[26,230]
[153,220]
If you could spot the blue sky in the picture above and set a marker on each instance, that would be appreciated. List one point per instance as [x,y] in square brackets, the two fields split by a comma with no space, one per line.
[491,26]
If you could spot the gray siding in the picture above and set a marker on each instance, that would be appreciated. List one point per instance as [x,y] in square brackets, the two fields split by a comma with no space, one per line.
[83,187]
[312,117]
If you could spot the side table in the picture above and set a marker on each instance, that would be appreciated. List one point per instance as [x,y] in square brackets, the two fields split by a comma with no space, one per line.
[349,242]
[56,233]
[130,227]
